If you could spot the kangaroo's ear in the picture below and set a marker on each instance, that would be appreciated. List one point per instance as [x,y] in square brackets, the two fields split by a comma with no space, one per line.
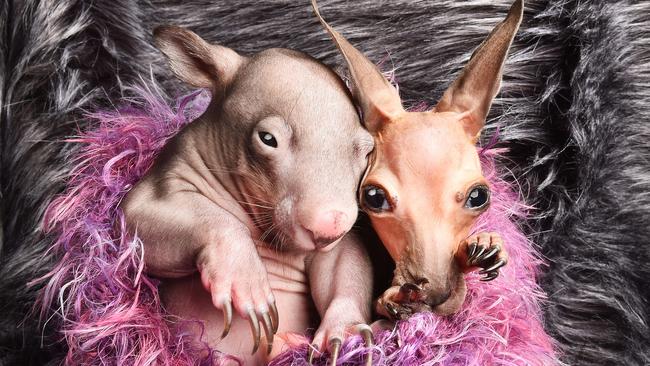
[195,61]
[474,90]
[378,99]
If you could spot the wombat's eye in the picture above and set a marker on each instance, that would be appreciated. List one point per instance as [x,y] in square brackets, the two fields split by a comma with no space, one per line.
[478,198]
[374,199]
[267,139]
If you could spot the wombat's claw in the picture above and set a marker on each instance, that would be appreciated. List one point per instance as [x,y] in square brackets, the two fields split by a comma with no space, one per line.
[268,330]
[310,354]
[227,317]
[366,334]
[335,347]
[255,329]
[275,319]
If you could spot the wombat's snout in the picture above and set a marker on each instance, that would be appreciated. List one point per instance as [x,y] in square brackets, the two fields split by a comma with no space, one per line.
[327,226]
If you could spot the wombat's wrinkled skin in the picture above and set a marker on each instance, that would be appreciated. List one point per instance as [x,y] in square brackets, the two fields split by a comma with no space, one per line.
[249,207]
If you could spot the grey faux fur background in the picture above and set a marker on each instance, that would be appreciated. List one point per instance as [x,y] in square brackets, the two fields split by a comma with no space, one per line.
[574,112]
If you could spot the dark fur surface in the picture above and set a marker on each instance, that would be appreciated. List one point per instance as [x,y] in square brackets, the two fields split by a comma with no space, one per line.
[574,111]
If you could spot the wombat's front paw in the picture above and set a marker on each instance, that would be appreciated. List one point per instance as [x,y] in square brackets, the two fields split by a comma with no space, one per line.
[340,321]
[484,250]
[234,275]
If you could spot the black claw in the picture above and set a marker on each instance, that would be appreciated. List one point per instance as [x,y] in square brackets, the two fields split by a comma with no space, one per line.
[335,347]
[268,330]
[473,259]
[490,253]
[227,318]
[255,329]
[490,276]
[274,316]
[391,309]
[471,249]
[310,354]
[500,263]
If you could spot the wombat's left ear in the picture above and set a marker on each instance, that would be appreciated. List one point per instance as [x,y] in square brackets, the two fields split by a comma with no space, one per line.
[378,99]
[479,82]
[195,61]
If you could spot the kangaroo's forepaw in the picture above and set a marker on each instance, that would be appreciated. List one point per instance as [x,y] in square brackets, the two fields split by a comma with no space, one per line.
[485,251]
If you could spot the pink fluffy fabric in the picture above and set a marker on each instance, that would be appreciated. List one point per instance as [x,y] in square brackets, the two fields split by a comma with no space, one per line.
[110,313]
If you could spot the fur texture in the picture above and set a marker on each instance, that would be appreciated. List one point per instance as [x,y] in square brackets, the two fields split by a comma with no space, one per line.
[111,312]
[573,113]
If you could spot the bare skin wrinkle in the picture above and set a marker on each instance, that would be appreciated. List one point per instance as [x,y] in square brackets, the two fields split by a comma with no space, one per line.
[420,163]
[237,216]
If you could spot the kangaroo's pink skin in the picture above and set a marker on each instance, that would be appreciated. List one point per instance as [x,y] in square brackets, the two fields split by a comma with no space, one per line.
[425,176]
[257,195]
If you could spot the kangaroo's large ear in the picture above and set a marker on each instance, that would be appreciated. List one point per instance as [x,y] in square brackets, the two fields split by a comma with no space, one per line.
[378,99]
[474,90]
[195,61]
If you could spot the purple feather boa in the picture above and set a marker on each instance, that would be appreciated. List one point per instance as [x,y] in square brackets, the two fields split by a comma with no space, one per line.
[110,311]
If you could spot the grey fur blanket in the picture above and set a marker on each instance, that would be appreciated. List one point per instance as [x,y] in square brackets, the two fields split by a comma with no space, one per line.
[574,113]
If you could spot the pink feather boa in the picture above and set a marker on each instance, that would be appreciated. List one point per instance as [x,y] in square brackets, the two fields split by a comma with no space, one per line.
[110,313]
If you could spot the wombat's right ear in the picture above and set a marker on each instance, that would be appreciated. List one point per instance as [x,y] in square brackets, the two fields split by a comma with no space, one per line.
[195,61]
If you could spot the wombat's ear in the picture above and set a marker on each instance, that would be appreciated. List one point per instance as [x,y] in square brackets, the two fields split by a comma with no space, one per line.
[479,82]
[195,61]
[378,99]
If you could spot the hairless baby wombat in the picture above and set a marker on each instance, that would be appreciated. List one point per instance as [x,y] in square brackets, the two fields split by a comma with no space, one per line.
[254,195]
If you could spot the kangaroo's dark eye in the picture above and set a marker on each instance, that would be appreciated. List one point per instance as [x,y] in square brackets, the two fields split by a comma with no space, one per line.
[374,199]
[478,198]
[267,139]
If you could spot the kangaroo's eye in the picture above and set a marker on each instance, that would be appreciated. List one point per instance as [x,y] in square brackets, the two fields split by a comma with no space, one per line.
[267,139]
[478,198]
[374,199]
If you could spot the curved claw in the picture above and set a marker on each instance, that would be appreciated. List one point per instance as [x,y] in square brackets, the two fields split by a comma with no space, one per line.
[268,330]
[473,259]
[227,317]
[310,354]
[275,319]
[491,253]
[335,347]
[391,309]
[500,263]
[366,333]
[255,329]
[490,276]
[471,249]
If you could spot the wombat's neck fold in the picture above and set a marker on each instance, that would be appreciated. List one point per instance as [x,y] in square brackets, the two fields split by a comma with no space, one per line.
[199,148]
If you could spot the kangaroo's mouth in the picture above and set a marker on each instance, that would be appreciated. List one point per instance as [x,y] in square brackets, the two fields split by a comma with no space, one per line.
[406,298]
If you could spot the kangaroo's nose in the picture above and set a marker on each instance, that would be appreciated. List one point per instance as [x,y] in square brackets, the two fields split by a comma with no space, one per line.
[327,227]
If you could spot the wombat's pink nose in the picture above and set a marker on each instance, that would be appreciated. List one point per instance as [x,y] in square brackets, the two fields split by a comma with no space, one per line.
[327,227]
